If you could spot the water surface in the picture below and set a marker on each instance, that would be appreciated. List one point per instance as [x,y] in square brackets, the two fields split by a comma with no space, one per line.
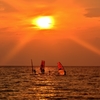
[80,83]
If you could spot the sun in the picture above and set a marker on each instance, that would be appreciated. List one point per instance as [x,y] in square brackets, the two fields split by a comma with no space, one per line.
[44,22]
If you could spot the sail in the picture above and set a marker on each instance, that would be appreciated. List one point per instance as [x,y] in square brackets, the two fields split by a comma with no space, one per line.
[61,70]
[42,67]
[33,70]
[32,65]
[60,67]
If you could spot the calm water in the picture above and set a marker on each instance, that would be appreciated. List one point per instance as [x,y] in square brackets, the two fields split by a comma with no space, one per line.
[80,83]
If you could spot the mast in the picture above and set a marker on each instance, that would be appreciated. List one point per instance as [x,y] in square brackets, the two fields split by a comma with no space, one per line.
[32,65]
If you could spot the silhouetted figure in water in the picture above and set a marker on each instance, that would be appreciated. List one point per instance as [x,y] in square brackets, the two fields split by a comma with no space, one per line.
[34,71]
[49,72]
[42,70]
[64,72]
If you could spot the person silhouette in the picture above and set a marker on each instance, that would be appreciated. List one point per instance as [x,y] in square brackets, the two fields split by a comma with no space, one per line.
[34,71]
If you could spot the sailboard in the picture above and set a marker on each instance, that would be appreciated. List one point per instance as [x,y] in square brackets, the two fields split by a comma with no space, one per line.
[42,67]
[61,70]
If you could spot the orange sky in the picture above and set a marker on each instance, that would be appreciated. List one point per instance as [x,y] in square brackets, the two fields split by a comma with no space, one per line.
[74,40]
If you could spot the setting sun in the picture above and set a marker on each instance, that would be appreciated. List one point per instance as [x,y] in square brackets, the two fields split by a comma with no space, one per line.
[44,22]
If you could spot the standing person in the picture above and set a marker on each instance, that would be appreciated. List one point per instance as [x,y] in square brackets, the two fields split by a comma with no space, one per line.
[34,71]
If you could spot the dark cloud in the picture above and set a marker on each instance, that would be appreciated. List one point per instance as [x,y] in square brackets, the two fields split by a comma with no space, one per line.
[28,26]
[93,12]
[4,7]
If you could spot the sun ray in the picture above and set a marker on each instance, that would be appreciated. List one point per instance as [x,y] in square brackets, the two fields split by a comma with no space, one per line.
[86,45]
[17,48]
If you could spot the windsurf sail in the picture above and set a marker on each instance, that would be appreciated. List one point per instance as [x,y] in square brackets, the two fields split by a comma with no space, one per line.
[32,65]
[33,70]
[61,70]
[42,67]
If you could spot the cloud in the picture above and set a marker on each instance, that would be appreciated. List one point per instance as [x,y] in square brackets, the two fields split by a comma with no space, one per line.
[89,3]
[93,12]
[28,26]
[4,29]
[4,7]
[46,1]
[92,7]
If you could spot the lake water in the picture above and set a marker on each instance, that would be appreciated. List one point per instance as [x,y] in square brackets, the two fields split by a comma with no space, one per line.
[80,83]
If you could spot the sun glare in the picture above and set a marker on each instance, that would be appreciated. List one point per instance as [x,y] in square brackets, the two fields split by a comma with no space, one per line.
[44,22]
